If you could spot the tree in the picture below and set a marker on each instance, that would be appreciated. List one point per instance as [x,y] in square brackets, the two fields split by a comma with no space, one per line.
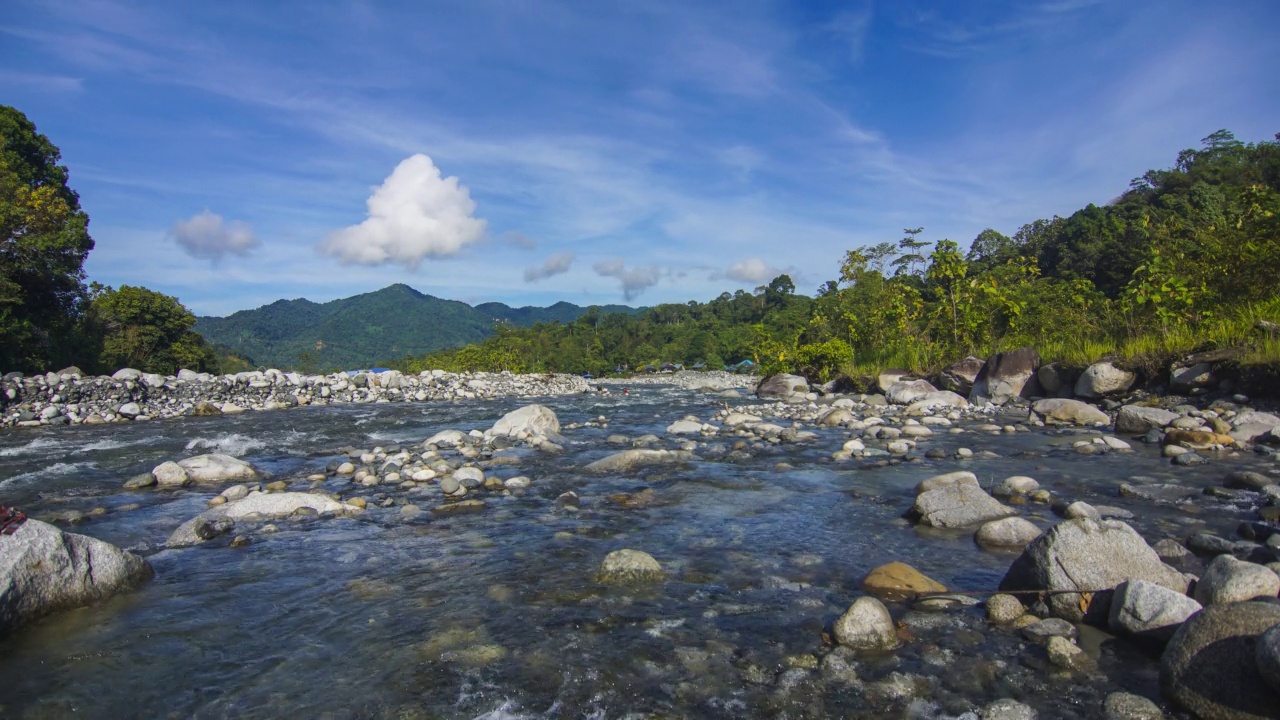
[44,240]
[147,330]
[911,255]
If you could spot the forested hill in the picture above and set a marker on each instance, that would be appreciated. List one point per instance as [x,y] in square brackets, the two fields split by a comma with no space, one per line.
[369,329]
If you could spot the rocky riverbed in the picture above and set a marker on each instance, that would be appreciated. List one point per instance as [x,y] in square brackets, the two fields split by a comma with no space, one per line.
[661,552]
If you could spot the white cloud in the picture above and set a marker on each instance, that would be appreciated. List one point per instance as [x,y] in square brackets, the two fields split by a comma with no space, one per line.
[208,237]
[414,214]
[634,280]
[752,270]
[556,264]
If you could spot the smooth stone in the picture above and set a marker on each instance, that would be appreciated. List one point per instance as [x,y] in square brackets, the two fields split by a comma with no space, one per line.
[1210,665]
[1087,555]
[1127,706]
[45,570]
[866,625]
[1006,533]
[898,581]
[170,474]
[1136,419]
[627,566]
[1229,580]
[1069,412]
[1148,610]
[217,467]
[1003,608]
[958,505]
[629,459]
[1066,654]
[1016,485]
[530,420]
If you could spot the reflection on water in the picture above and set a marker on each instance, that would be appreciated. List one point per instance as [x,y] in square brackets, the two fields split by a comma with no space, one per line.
[495,614]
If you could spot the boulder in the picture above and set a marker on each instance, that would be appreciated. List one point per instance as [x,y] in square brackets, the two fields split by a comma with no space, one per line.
[1056,380]
[1228,580]
[1148,610]
[1060,411]
[626,567]
[1010,532]
[957,477]
[1103,379]
[1210,666]
[684,427]
[216,467]
[1195,376]
[130,410]
[204,408]
[886,379]
[1196,439]
[958,377]
[44,570]
[170,474]
[899,581]
[446,438]
[628,459]
[264,505]
[1088,555]
[904,392]
[1267,655]
[936,399]
[866,625]
[126,374]
[1255,418]
[532,420]
[782,385]
[1007,375]
[958,505]
[1016,485]
[1137,419]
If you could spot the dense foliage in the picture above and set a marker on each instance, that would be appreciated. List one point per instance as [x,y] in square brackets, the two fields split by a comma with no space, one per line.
[367,329]
[48,318]
[1186,256]
[44,239]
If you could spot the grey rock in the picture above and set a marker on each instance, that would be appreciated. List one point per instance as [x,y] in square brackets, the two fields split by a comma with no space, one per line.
[1229,580]
[216,468]
[1267,656]
[532,420]
[1136,419]
[1006,376]
[265,505]
[782,386]
[44,570]
[1003,608]
[1088,555]
[130,410]
[959,505]
[1006,533]
[1248,480]
[1127,706]
[922,404]
[958,377]
[1103,379]
[1210,665]
[126,374]
[627,566]
[904,392]
[1040,632]
[1147,610]
[866,625]
[1008,709]
[1061,411]
[1195,376]
[628,459]
[170,474]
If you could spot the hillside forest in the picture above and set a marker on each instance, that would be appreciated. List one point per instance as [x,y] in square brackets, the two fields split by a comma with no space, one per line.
[1186,258]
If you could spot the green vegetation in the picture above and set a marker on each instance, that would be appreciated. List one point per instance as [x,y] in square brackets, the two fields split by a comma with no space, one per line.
[48,318]
[368,329]
[1187,258]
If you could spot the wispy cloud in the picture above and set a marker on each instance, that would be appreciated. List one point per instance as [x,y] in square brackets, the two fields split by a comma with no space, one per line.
[634,280]
[555,265]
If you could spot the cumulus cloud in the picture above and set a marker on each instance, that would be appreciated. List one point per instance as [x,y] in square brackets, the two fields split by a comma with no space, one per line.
[414,214]
[556,264]
[208,237]
[752,270]
[634,280]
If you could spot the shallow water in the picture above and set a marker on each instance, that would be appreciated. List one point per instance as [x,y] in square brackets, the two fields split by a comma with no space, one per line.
[496,614]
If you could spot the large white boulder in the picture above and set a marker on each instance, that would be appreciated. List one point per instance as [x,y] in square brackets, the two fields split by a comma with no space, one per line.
[216,467]
[262,505]
[43,570]
[529,421]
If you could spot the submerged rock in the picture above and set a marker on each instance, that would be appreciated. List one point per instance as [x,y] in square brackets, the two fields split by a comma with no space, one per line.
[627,566]
[628,459]
[44,570]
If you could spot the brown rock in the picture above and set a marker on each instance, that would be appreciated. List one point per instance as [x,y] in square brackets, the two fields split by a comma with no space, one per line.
[1196,439]
[899,581]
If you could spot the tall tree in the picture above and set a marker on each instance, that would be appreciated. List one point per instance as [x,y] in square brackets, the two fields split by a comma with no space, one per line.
[44,239]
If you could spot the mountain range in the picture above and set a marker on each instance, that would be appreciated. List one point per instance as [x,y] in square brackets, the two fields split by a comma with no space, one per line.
[365,330]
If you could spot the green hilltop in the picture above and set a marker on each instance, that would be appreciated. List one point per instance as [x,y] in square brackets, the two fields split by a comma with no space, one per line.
[369,329]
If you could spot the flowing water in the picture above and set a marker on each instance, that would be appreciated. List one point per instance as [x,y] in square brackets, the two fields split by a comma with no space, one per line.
[497,615]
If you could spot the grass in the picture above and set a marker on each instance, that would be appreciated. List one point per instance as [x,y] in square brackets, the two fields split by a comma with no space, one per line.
[1150,349]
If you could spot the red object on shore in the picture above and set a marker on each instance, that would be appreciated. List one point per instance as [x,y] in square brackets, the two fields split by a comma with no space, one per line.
[10,520]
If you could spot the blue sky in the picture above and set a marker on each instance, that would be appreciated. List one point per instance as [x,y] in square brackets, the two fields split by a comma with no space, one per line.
[234,153]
